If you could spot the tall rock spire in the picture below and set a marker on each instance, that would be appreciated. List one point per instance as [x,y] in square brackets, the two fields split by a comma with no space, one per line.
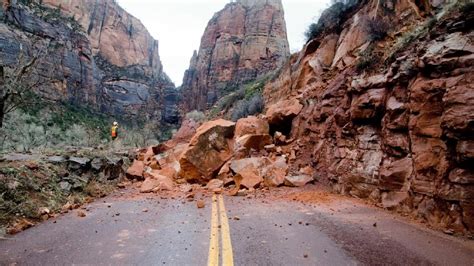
[244,41]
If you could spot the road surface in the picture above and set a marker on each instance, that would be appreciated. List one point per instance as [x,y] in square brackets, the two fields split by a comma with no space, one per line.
[150,230]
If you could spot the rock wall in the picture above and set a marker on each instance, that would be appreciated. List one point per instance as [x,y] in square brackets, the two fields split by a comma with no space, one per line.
[400,134]
[96,55]
[245,40]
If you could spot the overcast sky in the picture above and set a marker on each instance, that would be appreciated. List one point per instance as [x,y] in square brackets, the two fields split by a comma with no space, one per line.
[179,24]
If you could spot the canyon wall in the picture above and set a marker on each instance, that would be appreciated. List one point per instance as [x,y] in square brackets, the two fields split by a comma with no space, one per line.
[391,120]
[93,54]
[242,42]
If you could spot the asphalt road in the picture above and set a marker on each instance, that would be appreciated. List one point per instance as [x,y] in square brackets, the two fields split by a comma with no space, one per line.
[117,231]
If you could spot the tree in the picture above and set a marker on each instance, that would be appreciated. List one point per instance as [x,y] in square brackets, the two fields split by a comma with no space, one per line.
[18,80]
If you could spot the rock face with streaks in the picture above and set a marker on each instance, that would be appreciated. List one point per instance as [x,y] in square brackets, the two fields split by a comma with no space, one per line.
[399,132]
[95,55]
[244,41]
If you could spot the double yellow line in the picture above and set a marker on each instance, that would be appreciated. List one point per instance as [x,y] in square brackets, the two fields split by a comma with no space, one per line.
[218,213]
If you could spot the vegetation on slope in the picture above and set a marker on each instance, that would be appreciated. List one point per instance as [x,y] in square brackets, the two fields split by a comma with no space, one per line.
[52,126]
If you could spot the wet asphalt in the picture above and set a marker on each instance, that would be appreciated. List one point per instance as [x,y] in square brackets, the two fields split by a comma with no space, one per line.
[154,231]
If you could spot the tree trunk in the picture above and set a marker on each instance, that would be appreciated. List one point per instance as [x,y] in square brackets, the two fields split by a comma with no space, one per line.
[2,96]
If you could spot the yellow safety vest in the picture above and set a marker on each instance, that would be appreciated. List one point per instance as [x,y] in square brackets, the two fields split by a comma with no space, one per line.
[114,131]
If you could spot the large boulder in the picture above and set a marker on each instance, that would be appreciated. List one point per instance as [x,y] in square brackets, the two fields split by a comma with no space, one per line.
[251,133]
[255,162]
[214,184]
[135,171]
[251,125]
[252,141]
[208,150]
[113,168]
[283,110]
[297,180]
[183,135]
[154,182]
[276,172]
[249,177]
[249,171]
[79,163]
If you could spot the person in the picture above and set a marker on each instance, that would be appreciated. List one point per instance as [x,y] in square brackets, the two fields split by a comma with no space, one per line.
[114,131]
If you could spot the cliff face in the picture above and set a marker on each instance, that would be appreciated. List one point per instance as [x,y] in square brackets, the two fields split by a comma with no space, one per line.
[245,40]
[96,55]
[390,120]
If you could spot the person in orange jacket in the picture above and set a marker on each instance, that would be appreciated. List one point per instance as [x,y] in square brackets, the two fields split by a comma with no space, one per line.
[114,131]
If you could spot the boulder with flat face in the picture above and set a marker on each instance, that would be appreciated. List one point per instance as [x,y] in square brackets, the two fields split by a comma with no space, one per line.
[135,171]
[251,125]
[276,172]
[249,171]
[253,141]
[249,177]
[283,110]
[255,162]
[214,184]
[297,180]
[155,182]
[209,149]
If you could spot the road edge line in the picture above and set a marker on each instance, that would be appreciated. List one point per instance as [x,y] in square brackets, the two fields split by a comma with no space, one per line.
[226,242]
[213,259]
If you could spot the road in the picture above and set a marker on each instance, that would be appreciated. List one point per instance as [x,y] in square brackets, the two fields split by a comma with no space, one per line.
[150,230]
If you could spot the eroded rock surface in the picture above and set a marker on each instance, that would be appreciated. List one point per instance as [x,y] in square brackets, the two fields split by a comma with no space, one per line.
[93,54]
[400,135]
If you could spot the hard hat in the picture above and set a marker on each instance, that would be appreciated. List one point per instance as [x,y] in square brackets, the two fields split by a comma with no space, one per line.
[115,123]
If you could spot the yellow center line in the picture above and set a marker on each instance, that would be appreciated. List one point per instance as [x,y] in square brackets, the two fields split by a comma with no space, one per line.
[227,256]
[213,259]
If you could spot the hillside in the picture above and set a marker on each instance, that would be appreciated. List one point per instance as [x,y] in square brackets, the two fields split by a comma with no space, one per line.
[94,54]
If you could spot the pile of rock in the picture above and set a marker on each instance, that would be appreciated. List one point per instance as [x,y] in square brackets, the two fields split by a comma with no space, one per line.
[221,153]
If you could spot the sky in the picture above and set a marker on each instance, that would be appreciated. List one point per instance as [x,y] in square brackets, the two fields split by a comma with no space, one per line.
[179,24]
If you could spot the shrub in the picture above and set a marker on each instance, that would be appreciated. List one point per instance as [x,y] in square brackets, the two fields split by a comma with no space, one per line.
[246,107]
[331,19]
[254,88]
[226,102]
[377,29]
[409,37]
[256,105]
[367,58]
[239,111]
[466,8]
[55,127]
[196,116]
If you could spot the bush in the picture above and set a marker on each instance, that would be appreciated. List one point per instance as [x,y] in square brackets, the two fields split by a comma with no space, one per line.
[409,37]
[55,127]
[196,116]
[256,104]
[244,108]
[367,58]
[331,19]
[377,29]
[226,102]
[466,8]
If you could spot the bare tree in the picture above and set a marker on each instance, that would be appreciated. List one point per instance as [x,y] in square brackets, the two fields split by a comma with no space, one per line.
[18,80]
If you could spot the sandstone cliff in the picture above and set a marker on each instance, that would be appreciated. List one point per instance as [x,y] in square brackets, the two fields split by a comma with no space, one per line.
[389,118]
[245,40]
[97,55]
